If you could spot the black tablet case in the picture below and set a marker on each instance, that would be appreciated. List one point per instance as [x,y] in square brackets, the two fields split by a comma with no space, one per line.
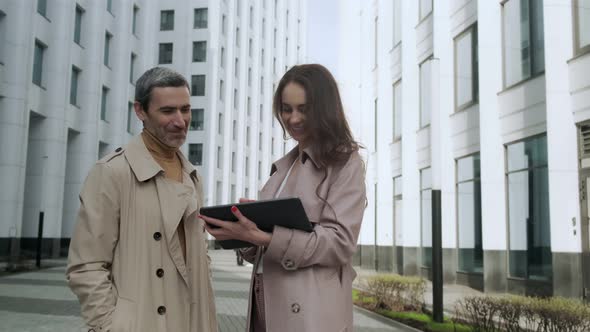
[285,212]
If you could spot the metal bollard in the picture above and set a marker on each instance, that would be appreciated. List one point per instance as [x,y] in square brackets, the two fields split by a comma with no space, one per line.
[40,238]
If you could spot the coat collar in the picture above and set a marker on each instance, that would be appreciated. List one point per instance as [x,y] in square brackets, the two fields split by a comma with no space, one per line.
[143,164]
[308,153]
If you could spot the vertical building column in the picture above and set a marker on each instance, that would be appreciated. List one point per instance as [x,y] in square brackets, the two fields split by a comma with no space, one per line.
[493,187]
[14,117]
[410,119]
[562,153]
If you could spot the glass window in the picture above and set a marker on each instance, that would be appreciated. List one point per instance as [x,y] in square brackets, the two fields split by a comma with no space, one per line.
[397,209]
[130,112]
[110,6]
[466,78]
[249,76]
[132,69]
[218,190]
[197,119]
[469,214]
[223,25]
[249,107]
[247,171]
[259,170]
[397,21]
[237,37]
[233,193]
[78,24]
[38,63]
[200,21]
[375,41]
[425,93]
[262,57]
[222,57]
[582,28]
[165,54]
[200,51]
[247,136]
[251,17]
[397,110]
[219,156]
[274,39]
[195,154]
[198,85]
[107,48]
[426,216]
[524,54]
[236,67]
[221,90]
[233,130]
[528,210]
[250,47]
[375,131]
[74,86]
[3,40]
[42,7]
[104,103]
[220,123]
[233,162]
[134,22]
[260,141]
[166,20]
[263,28]
[425,8]
[235,98]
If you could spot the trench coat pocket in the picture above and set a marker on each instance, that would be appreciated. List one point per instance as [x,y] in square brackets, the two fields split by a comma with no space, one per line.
[123,316]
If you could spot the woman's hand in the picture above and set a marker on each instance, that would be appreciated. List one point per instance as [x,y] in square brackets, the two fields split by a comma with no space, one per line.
[243,229]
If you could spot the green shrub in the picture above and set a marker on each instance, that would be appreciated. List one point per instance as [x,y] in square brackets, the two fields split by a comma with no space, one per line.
[520,314]
[397,293]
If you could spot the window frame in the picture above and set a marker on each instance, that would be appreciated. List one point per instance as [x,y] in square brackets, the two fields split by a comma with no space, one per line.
[196,49]
[203,18]
[474,179]
[162,56]
[79,13]
[195,80]
[473,29]
[531,46]
[39,64]
[75,73]
[169,24]
[108,37]
[397,136]
[197,116]
[578,50]
[420,126]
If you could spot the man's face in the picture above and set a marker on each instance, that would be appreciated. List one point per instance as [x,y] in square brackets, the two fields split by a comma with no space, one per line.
[168,115]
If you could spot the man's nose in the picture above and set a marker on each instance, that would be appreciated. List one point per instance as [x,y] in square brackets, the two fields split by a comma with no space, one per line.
[178,119]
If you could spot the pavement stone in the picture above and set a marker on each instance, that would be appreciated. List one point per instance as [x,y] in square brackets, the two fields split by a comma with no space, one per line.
[39,300]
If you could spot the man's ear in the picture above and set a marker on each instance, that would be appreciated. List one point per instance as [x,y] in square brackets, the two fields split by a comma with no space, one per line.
[139,111]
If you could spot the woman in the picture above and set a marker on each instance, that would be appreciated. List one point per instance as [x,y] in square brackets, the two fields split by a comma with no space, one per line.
[303,281]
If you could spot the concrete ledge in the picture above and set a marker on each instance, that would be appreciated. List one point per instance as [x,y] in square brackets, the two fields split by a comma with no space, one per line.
[385,320]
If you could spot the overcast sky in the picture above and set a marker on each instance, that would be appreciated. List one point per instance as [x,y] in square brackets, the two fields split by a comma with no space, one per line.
[322,33]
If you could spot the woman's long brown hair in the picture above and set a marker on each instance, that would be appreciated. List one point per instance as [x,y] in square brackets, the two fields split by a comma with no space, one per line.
[325,122]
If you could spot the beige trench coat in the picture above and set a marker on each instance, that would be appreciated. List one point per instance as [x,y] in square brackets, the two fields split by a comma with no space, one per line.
[125,262]
[308,277]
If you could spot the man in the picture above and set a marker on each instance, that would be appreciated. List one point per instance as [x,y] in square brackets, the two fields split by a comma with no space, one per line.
[138,259]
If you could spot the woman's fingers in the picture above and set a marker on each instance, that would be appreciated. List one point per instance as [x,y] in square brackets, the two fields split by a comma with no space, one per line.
[246,200]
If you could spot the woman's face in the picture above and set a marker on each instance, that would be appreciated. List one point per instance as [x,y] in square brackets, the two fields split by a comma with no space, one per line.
[293,112]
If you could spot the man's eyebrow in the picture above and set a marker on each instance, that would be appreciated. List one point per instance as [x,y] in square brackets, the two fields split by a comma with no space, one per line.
[168,107]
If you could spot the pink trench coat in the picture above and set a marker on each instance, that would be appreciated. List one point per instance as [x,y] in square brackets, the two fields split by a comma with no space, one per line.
[125,262]
[308,277]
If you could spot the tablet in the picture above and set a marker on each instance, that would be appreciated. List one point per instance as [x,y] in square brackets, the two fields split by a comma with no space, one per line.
[285,212]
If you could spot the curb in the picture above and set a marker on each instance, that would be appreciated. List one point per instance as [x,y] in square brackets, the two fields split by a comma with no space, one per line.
[385,320]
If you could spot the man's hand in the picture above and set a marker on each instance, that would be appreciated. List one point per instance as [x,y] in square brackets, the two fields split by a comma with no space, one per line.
[243,229]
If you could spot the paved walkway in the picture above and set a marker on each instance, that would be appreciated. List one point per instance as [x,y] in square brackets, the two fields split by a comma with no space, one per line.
[41,301]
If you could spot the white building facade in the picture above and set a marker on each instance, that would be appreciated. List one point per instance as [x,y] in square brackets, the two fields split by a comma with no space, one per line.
[67,73]
[488,101]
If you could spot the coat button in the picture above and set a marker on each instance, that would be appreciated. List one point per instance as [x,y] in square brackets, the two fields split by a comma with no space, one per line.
[160,273]
[289,263]
[295,307]
[157,236]
[118,149]
[161,310]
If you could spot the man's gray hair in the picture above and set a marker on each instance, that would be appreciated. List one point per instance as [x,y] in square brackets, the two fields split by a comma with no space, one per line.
[157,77]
